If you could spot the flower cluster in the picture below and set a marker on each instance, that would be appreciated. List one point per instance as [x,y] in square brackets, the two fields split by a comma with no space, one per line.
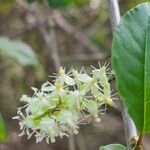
[57,108]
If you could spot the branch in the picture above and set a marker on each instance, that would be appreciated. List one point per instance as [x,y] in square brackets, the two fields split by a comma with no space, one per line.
[81,57]
[49,39]
[81,142]
[77,35]
[130,129]
[114,13]
[71,142]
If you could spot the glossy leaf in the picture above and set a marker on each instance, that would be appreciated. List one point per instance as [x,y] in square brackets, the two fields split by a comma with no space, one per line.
[2,129]
[113,147]
[18,50]
[131,63]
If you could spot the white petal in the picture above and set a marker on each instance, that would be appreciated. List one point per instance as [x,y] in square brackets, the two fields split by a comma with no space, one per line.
[84,78]
[34,89]
[69,80]
[25,98]
[22,133]
[16,117]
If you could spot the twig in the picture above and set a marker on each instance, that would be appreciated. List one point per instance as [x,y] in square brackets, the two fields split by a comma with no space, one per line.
[139,143]
[114,13]
[130,129]
[81,57]
[24,30]
[81,142]
[71,141]
[49,39]
[67,27]
[77,35]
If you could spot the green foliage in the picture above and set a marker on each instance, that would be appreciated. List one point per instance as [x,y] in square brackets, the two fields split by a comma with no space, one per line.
[131,63]
[18,50]
[6,6]
[113,147]
[31,1]
[2,129]
[79,2]
[59,3]
[133,3]
[62,3]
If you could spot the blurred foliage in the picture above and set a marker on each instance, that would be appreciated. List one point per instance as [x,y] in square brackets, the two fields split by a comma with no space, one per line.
[31,1]
[6,6]
[3,134]
[19,51]
[58,3]
[63,3]
[132,3]
[113,147]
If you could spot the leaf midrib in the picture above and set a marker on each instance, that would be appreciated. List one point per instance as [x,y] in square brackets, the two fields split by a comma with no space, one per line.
[145,76]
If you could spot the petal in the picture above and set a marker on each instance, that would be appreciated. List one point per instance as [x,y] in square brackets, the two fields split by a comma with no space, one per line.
[69,80]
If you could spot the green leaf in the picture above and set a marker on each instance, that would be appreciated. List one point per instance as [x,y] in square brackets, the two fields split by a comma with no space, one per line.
[18,50]
[131,63]
[2,129]
[65,3]
[80,2]
[59,3]
[30,1]
[113,147]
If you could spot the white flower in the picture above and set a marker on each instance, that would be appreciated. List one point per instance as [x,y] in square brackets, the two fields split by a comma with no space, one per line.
[58,108]
[25,98]
[92,108]
[65,78]
[49,126]
[47,87]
